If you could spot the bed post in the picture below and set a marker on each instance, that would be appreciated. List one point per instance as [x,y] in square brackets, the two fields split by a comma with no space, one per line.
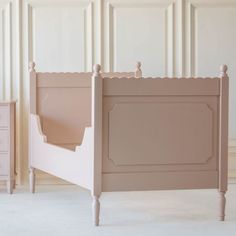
[97,141]
[138,71]
[32,111]
[223,138]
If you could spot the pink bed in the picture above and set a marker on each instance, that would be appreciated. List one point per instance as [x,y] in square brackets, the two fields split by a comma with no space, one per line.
[129,133]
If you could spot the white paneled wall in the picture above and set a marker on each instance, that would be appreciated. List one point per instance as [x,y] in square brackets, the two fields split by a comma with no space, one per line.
[170,37]
[129,25]
[6,37]
[69,24]
[212,37]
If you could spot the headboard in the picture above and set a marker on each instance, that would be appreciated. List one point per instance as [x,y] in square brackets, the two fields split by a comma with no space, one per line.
[63,102]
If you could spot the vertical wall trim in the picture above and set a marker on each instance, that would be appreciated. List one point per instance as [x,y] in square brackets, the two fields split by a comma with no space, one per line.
[111,37]
[170,39]
[2,81]
[100,34]
[30,33]
[192,40]
[85,39]
[88,37]
[18,90]
[180,18]
[7,60]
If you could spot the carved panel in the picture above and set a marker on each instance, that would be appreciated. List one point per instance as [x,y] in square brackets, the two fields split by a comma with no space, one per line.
[159,134]
[152,118]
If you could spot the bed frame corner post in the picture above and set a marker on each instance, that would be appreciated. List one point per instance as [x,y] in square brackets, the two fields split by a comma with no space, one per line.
[32,110]
[223,138]
[97,88]
[33,87]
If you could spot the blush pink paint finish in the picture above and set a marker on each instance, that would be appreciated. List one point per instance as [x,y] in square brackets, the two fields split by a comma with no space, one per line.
[129,133]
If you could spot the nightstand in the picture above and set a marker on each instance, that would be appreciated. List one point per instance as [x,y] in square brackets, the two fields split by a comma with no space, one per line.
[7,143]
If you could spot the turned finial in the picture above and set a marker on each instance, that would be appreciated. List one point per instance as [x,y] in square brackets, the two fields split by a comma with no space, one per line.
[31,66]
[138,71]
[223,71]
[96,69]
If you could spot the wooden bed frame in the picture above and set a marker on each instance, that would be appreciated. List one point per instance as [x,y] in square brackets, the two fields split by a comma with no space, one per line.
[128,134]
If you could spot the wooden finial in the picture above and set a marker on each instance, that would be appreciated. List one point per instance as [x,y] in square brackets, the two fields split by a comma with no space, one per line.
[223,71]
[138,71]
[96,70]
[31,66]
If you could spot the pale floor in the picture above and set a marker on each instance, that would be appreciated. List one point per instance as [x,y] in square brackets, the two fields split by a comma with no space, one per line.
[66,211]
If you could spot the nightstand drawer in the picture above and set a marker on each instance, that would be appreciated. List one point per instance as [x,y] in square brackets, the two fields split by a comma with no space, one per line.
[4,166]
[7,143]
[4,140]
[4,116]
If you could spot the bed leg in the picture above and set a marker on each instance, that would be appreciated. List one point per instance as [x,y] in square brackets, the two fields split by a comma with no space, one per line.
[96,210]
[222,205]
[32,179]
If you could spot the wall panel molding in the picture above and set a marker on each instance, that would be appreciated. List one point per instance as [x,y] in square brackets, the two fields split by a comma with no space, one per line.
[87,8]
[191,10]
[111,9]
[6,50]
[210,38]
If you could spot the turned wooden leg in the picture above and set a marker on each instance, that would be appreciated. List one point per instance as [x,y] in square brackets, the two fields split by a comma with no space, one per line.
[96,210]
[32,179]
[10,185]
[222,205]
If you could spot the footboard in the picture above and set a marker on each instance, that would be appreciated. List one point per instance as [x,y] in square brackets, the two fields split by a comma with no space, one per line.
[163,134]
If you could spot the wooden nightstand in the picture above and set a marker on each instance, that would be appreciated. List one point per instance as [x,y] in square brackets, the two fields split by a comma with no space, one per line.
[7,143]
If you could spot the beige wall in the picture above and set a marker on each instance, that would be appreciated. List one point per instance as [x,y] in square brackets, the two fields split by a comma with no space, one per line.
[170,37]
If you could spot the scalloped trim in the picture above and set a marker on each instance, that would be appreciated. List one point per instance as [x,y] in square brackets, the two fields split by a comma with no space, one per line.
[164,78]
